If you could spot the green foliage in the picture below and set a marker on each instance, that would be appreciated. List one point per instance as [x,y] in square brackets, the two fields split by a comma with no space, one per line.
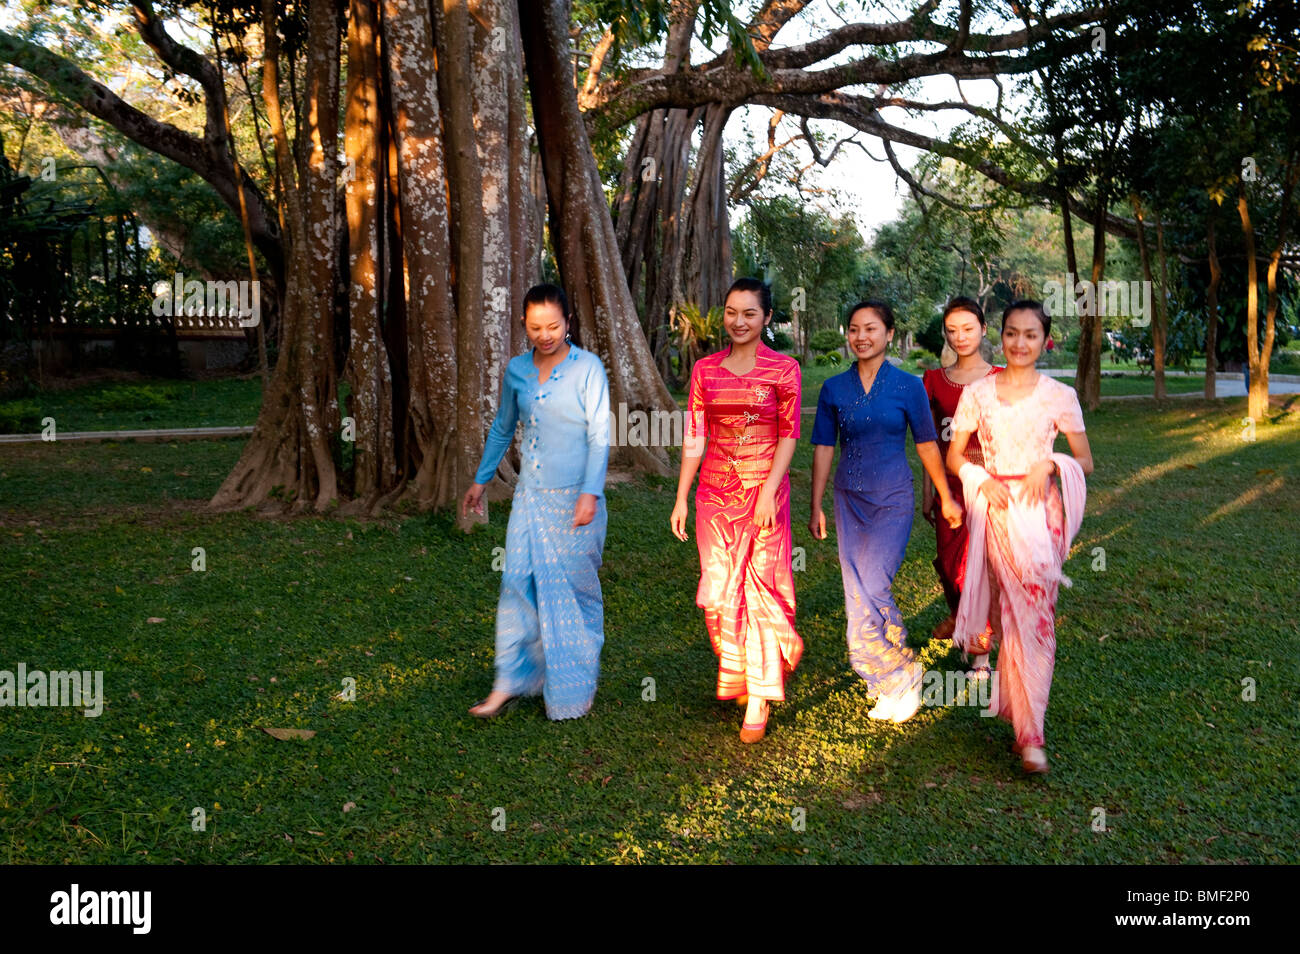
[931,337]
[923,358]
[779,339]
[20,417]
[826,339]
[702,331]
[830,357]
[809,257]
[1285,362]
[129,397]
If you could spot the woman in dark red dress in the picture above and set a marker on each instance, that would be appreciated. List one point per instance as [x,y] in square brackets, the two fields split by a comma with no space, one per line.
[964,330]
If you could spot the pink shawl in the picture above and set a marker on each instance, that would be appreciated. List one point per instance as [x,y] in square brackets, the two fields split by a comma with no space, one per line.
[1027,530]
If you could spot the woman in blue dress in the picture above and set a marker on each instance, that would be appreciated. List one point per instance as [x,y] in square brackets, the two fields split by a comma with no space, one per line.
[869,408]
[550,615]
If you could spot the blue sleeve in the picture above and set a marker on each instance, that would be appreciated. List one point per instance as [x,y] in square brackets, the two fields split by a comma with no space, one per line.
[916,405]
[501,433]
[826,425]
[595,402]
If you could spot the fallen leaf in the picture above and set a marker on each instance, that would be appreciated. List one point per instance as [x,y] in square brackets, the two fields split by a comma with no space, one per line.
[348,806]
[155,619]
[284,734]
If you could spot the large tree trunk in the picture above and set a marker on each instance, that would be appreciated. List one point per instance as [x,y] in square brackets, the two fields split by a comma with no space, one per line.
[649,204]
[289,454]
[1144,254]
[501,136]
[1261,353]
[1087,375]
[1160,326]
[582,232]
[1257,396]
[1212,309]
[367,369]
[425,253]
[705,247]
[453,34]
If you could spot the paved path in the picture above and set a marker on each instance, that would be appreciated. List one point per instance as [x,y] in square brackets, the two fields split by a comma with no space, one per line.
[169,434]
[1226,384]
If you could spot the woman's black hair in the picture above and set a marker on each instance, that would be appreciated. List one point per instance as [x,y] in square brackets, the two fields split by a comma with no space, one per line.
[962,303]
[1029,304]
[881,308]
[762,289]
[548,294]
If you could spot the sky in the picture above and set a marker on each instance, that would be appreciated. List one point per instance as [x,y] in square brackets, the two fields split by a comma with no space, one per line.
[869,187]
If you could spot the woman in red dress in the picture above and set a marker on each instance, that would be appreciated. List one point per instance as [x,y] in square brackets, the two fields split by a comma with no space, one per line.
[964,330]
[742,425]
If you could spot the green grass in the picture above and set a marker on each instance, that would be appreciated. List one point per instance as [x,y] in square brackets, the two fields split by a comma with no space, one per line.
[224,402]
[1146,721]
[1133,384]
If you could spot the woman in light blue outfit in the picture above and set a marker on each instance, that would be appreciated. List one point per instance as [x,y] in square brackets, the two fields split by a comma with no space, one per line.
[550,615]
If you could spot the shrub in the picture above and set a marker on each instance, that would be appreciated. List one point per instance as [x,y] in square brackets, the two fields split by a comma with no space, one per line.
[780,340]
[1285,362]
[20,417]
[826,339]
[129,397]
[923,358]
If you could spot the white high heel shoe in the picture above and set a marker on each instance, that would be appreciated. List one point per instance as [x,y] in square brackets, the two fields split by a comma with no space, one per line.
[907,706]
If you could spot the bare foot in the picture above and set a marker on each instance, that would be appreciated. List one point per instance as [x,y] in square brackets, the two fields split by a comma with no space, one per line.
[491,705]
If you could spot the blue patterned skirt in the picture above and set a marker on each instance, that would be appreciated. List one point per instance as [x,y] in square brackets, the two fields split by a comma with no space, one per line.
[550,615]
[872,541]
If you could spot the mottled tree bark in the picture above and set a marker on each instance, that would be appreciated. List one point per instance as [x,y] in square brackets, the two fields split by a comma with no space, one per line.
[582,232]
[288,457]
[367,368]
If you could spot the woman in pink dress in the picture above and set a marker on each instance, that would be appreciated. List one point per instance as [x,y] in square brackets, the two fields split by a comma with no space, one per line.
[1020,522]
[742,425]
[964,328]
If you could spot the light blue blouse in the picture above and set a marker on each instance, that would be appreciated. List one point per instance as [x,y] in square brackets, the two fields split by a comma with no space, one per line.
[566,423]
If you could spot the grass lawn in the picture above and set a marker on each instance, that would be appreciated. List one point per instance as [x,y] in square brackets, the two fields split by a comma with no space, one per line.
[147,405]
[1147,720]
[1146,384]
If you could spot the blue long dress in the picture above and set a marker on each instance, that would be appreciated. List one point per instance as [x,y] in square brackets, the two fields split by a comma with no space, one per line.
[874,502]
[550,614]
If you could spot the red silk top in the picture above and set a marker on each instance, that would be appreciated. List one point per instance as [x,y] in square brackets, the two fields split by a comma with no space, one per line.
[944,394]
[742,416]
